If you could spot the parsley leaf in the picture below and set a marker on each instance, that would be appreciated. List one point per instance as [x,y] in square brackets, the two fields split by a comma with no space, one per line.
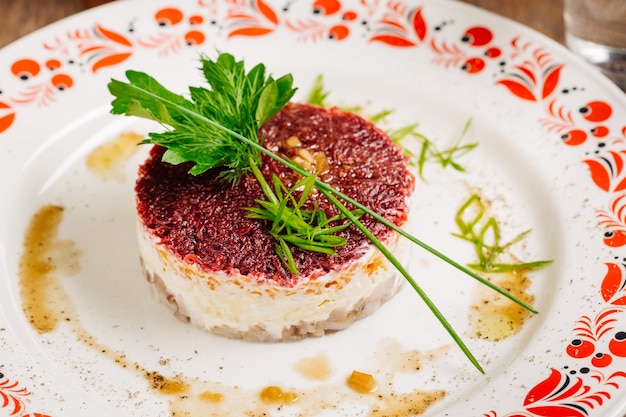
[238,101]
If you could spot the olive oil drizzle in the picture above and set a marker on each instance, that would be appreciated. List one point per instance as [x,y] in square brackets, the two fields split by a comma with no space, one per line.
[47,260]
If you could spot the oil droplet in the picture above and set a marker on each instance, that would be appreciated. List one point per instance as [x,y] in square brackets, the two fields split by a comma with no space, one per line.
[211,397]
[391,354]
[316,367]
[169,386]
[495,317]
[44,261]
[276,395]
[361,382]
[107,161]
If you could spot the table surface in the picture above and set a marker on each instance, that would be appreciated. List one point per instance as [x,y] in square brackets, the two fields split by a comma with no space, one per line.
[20,17]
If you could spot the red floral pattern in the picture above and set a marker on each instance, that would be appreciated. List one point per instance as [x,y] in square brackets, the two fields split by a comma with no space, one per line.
[400,26]
[98,47]
[177,31]
[613,220]
[528,72]
[533,78]
[250,18]
[12,399]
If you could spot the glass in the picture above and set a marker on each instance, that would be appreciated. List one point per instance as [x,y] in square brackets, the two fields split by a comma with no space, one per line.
[596,30]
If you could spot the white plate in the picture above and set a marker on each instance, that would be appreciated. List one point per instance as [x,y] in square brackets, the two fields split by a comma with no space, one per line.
[523,93]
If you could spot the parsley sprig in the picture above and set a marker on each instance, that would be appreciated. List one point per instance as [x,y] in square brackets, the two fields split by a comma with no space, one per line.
[238,101]
[218,128]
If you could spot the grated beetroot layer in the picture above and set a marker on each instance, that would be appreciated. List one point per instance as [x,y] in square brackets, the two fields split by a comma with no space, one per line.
[203,221]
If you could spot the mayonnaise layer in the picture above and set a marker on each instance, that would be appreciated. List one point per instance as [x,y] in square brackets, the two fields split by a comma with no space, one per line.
[238,306]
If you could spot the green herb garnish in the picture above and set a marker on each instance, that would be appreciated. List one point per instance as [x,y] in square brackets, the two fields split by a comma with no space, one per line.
[291,224]
[218,128]
[238,101]
[428,151]
[484,233]
[317,96]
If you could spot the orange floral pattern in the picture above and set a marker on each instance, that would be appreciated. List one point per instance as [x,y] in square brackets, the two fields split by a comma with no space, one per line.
[12,396]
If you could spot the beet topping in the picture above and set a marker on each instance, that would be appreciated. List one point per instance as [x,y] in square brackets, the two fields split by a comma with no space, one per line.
[203,220]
